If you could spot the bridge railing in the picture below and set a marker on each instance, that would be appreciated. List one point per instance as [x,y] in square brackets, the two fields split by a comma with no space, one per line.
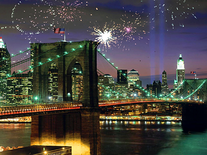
[6,110]
[37,107]
[126,100]
[148,100]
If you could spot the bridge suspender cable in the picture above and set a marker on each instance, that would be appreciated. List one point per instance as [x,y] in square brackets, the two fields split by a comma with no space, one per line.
[174,90]
[28,59]
[112,64]
[195,90]
[25,60]
[42,63]
[12,55]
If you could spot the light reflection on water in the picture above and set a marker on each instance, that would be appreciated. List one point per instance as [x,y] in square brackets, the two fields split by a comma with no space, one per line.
[125,138]
[15,134]
[150,138]
[12,126]
[138,137]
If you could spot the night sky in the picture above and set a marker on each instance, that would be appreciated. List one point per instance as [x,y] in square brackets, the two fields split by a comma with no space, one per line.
[148,35]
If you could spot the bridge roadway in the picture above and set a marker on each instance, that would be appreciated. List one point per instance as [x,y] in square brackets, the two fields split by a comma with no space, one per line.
[43,109]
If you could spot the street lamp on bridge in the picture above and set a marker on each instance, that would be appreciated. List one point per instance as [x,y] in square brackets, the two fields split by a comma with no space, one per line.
[36,99]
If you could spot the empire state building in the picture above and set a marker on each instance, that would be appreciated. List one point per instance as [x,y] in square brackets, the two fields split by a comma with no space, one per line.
[180,71]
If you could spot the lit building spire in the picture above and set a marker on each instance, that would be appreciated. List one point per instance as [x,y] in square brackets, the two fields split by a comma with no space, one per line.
[180,72]
[2,45]
[180,63]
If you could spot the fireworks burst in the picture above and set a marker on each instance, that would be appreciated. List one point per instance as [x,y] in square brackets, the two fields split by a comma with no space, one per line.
[40,16]
[32,20]
[123,29]
[173,12]
[131,24]
[66,11]
[104,36]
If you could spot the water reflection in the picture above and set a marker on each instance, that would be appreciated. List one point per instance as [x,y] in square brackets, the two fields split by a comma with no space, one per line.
[12,134]
[130,122]
[126,138]
[12,126]
[137,137]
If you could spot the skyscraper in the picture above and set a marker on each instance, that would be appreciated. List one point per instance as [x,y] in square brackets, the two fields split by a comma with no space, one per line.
[180,71]
[133,77]
[19,88]
[5,68]
[122,76]
[122,82]
[156,88]
[109,80]
[164,83]
[106,86]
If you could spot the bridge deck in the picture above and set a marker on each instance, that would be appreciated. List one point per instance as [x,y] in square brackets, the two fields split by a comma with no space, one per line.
[43,109]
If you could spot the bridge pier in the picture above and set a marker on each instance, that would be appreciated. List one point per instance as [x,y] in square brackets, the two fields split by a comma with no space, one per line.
[194,117]
[79,129]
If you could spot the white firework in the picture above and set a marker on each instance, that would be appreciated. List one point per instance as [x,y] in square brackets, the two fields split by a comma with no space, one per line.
[104,37]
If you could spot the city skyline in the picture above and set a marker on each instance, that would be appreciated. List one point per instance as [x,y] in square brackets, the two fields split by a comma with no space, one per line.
[150,54]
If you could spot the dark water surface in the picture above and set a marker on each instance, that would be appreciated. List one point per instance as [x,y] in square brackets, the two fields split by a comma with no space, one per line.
[126,138]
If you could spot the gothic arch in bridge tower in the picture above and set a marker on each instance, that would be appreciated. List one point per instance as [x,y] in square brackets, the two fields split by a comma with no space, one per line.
[53,83]
[74,72]
[65,55]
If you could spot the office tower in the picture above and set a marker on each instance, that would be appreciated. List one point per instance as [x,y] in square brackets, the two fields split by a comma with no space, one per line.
[121,85]
[164,83]
[108,79]
[180,72]
[139,82]
[19,89]
[156,88]
[137,89]
[150,88]
[5,69]
[122,76]
[106,86]
[133,77]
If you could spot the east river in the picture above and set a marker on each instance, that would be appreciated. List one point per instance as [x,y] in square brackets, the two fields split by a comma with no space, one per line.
[126,138]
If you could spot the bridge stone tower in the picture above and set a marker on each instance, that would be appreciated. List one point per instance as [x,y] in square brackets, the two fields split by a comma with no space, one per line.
[84,52]
[77,128]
